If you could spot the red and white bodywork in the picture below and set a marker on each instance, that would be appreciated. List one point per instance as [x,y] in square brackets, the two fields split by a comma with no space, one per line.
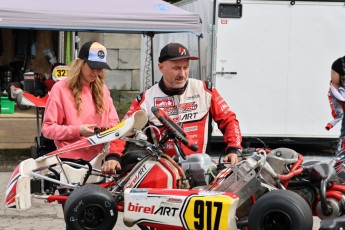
[31,100]
[180,209]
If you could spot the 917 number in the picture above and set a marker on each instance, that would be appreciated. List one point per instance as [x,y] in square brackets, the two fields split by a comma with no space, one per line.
[207,212]
[199,214]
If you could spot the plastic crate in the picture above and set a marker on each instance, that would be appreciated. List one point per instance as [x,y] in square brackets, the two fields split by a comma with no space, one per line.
[7,106]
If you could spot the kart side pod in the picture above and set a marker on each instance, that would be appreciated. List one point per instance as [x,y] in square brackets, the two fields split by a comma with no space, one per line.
[161,173]
[180,209]
[18,190]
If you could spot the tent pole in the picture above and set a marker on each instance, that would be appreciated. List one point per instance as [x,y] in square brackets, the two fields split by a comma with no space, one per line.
[76,45]
[148,61]
[73,46]
[61,47]
[68,47]
[151,54]
[199,55]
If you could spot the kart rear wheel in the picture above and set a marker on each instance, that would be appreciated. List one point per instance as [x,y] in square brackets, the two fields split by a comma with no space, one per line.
[280,209]
[90,207]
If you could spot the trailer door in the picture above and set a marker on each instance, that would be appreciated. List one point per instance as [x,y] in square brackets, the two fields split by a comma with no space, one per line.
[272,65]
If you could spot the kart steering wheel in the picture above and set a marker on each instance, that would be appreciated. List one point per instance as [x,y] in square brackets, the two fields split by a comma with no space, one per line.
[176,131]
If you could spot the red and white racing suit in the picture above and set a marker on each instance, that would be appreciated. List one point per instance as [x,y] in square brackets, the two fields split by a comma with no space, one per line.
[191,110]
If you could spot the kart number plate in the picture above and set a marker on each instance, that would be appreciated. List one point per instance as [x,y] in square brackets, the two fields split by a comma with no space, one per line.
[59,72]
[207,212]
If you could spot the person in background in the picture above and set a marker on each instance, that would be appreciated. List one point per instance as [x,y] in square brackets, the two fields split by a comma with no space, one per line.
[191,103]
[336,96]
[80,103]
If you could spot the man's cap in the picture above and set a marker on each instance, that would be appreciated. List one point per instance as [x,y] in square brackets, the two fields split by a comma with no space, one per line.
[95,55]
[175,51]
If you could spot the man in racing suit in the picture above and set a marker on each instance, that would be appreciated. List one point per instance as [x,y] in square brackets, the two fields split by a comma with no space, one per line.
[189,102]
[337,97]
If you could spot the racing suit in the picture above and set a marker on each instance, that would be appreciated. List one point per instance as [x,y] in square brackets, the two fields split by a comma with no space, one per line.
[339,67]
[192,109]
[336,98]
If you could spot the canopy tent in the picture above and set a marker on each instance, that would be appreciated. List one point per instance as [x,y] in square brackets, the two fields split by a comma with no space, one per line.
[105,16]
[130,16]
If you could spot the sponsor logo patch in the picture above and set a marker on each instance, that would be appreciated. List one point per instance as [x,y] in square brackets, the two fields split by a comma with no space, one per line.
[162,210]
[164,101]
[191,129]
[187,107]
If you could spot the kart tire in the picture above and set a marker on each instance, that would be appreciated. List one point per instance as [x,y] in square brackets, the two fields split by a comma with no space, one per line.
[19,105]
[23,107]
[280,209]
[90,207]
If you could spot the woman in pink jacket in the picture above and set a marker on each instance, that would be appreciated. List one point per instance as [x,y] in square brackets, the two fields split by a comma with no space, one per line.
[81,102]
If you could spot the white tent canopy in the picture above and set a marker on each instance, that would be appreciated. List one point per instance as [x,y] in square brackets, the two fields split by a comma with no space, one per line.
[126,16]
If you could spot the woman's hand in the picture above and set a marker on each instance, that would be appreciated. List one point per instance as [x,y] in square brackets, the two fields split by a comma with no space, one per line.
[87,130]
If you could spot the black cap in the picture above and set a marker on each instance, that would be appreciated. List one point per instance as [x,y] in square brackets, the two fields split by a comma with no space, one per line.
[95,55]
[175,51]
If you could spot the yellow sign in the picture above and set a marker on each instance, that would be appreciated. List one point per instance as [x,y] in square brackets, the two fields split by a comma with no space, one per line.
[207,212]
[59,72]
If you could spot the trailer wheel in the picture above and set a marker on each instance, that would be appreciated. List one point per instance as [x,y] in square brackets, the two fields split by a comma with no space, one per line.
[90,207]
[280,209]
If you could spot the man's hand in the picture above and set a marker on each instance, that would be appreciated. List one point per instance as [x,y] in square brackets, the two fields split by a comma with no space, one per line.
[232,158]
[109,167]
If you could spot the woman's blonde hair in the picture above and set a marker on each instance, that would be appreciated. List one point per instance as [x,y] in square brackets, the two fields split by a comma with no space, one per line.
[75,85]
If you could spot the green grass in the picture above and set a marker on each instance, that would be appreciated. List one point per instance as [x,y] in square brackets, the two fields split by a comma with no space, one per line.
[122,108]
[122,101]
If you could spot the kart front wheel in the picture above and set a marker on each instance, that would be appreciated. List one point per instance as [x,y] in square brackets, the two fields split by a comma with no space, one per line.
[280,209]
[90,207]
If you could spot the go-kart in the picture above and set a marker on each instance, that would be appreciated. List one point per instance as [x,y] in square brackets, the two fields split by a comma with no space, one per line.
[37,99]
[266,190]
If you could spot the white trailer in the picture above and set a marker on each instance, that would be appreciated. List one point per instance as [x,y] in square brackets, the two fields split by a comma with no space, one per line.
[271,61]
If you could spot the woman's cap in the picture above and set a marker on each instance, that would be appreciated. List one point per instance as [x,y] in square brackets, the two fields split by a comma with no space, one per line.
[175,51]
[95,55]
